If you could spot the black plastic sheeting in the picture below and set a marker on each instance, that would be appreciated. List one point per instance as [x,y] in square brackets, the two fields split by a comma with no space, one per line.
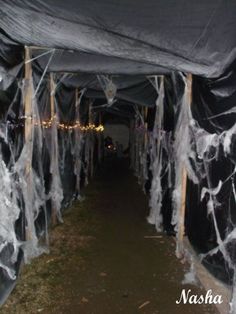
[83,62]
[136,89]
[190,36]
[212,98]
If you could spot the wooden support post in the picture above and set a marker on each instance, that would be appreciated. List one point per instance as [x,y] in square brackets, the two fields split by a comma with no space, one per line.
[181,231]
[146,114]
[52,100]
[28,136]
[99,139]
[77,138]
[145,139]
[53,153]
[91,142]
[28,95]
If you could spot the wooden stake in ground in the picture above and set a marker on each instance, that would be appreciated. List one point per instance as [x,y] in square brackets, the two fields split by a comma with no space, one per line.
[181,231]
[52,107]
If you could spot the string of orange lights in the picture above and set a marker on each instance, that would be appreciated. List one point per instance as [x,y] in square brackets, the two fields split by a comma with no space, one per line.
[46,124]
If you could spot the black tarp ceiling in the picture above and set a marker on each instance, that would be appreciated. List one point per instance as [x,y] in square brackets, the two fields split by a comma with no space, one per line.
[135,89]
[119,38]
[73,62]
[190,36]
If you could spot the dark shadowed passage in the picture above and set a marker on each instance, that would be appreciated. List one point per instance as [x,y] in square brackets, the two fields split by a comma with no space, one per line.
[105,258]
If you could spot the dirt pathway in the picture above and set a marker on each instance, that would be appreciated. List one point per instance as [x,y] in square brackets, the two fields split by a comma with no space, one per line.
[101,261]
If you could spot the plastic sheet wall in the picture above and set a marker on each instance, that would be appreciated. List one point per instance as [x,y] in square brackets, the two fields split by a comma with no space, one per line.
[212,99]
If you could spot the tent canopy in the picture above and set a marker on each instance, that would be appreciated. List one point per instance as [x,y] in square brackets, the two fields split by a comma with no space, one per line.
[126,36]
